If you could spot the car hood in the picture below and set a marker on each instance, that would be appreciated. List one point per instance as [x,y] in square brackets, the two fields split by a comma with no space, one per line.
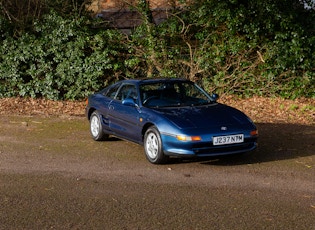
[206,116]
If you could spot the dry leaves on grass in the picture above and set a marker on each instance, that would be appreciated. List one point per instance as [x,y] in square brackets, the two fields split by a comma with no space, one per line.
[276,110]
[260,109]
[31,106]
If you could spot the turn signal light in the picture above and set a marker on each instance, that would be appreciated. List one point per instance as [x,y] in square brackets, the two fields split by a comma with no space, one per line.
[188,138]
[254,133]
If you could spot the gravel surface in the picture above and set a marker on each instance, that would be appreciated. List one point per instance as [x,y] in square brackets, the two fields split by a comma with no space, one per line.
[54,176]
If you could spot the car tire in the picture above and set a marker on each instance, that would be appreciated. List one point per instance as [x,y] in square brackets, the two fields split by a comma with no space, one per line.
[153,146]
[96,127]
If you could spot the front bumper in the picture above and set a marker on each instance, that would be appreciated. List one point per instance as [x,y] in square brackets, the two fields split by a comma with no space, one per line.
[173,147]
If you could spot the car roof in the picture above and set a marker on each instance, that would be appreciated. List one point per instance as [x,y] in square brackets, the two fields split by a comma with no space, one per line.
[154,80]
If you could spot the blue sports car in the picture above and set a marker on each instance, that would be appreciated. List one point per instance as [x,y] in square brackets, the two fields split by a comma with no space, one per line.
[169,117]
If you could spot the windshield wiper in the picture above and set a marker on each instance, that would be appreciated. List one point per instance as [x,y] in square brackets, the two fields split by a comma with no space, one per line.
[201,103]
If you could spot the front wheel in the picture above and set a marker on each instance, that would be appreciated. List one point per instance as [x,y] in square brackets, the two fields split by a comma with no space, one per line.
[96,127]
[153,146]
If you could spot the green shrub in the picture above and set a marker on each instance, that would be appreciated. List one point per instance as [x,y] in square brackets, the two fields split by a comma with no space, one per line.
[64,59]
[232,47]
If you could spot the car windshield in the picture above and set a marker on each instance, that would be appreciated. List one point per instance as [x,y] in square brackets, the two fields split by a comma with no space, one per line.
[172,94]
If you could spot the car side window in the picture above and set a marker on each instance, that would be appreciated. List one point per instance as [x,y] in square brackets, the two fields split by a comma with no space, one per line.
[111,92]
[127,91]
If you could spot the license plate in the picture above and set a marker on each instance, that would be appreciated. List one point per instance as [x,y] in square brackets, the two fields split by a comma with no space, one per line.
[226,140]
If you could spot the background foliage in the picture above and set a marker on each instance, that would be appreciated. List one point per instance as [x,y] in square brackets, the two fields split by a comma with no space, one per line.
[55,50]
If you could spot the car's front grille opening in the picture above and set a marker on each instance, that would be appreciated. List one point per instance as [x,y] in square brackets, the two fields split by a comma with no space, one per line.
[210,149]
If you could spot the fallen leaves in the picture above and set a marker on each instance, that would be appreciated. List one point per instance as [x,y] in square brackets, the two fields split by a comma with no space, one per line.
[260,109]
[304,164]
[31,106]
[276,110]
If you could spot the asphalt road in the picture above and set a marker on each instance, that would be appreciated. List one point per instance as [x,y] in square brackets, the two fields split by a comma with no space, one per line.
[54,176]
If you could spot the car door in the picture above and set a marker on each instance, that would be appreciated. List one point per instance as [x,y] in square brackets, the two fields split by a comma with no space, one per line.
[124,119]
[102,102]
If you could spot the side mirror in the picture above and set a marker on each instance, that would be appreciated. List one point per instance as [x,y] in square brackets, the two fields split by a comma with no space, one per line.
[215,97]
[129,102]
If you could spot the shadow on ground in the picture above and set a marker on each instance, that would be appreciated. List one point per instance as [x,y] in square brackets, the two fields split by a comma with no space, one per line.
[276,142]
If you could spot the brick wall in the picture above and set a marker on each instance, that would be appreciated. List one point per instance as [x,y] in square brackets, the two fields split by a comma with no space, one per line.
[100,5]
[117,14]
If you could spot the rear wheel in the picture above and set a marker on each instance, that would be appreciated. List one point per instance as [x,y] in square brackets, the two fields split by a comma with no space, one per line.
[153,146]
[96,127]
